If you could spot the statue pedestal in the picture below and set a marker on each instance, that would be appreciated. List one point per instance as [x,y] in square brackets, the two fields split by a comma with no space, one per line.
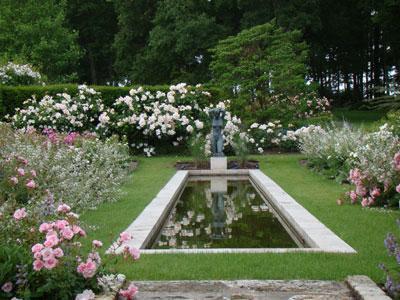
[219,163]
[219,184]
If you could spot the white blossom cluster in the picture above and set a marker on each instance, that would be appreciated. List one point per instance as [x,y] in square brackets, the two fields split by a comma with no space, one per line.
[16,74]
[268,135]
[346,147]
[152,120]
[62,112]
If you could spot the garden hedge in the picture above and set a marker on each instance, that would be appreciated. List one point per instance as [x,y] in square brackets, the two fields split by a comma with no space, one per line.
[12,97]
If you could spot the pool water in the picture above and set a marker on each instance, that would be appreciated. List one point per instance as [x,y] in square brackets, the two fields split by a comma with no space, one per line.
[233,217]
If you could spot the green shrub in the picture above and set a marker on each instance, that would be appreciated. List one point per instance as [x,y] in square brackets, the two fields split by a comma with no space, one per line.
[392,119]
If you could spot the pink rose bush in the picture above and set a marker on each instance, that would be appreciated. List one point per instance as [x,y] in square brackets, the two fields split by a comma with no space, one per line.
[371,190]
[49,251]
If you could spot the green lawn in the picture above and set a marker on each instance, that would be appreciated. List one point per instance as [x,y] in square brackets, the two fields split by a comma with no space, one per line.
[363,229]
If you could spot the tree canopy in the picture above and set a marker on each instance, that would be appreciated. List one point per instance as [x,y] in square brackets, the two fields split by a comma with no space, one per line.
[36,32]
[261,61]
[354,45]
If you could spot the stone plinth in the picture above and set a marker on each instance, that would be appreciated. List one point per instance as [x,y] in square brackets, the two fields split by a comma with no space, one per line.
[219,163]
[219,185]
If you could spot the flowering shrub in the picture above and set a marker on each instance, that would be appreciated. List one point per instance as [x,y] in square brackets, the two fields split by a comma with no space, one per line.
[269,135]
[78,168]
[376,178]
[159,121]
[63,112]
[42,256]
[290,109]
[328,149]
[369,158]
[392,284]
[15,74]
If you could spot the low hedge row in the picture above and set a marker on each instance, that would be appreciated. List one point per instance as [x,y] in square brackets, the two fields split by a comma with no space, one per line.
[12,97]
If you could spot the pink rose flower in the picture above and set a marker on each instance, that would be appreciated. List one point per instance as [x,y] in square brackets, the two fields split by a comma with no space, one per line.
[130,292]
[50,263]
[14,180]
[47,253]
[7,287]
[364,202]
[398,188]
[97,244]
[38,265]
[63,208]
[51,240]
[44,227]
[134,252]
[353,196]
[37,248]
[19,214]
[33,173]
[21,172]
[61,224]
[78,230]
[67,233]
[31,184]
[58,252]
[88,269]
[37,255]
[125,236]
[397,161]
[376,192]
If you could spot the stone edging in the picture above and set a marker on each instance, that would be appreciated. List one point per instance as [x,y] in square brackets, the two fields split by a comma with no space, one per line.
[365,289]
[311,230]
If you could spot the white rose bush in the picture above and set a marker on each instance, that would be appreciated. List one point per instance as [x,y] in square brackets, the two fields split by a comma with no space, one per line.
[19,74]
[155,122]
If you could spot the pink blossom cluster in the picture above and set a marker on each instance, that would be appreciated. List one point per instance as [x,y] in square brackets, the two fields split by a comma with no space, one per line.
[20,214]
[368,196]
[129,293]
[48,253]
[55,138]
[22,173]
[87,269]
[368,190]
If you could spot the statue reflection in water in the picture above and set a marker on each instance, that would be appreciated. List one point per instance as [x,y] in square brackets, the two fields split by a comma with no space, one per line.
[218,212]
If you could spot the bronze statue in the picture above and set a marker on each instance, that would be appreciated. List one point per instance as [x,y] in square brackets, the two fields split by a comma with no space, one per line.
[217,140]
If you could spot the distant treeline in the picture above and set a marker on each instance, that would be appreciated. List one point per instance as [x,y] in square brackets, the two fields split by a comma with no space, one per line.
[354,44]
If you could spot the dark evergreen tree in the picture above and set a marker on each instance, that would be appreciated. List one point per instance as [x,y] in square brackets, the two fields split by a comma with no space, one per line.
[36,32]
[96,24]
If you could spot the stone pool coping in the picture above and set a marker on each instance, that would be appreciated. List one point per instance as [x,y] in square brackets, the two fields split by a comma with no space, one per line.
[316,235]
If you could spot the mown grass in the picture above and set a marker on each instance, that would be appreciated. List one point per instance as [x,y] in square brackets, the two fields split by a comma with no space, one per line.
[363,229]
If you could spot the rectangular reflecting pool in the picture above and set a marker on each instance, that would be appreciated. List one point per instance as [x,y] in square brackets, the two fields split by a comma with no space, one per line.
[222,212]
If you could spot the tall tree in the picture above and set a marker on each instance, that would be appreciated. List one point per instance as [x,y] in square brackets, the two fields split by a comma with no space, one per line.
[134,24]
[261,61]
[178,44]
[35,32]
[96,24]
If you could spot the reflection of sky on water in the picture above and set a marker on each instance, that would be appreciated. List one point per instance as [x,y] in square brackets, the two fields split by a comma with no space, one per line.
[238,218]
